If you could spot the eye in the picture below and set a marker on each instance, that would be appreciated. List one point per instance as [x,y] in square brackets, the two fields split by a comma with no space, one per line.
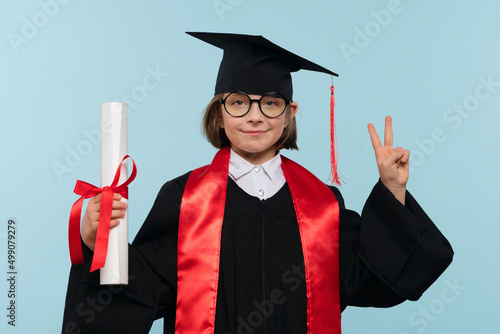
[270,103]
[238,102]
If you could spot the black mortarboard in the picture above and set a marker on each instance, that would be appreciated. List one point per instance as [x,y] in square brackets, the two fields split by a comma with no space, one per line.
[254,65]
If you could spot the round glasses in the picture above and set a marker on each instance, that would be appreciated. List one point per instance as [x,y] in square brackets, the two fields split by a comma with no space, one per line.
[238,104]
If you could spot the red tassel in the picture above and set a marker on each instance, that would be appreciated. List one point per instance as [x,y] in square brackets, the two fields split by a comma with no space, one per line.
[333,142]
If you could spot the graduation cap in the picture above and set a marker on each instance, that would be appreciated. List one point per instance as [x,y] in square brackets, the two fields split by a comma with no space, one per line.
[254,65]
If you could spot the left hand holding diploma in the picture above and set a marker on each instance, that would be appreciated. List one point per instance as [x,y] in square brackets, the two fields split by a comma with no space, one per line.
[90,220]
[393,165]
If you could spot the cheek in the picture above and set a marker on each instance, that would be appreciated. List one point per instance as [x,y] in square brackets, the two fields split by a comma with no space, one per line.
[226,120]
[278,124]
[230,126]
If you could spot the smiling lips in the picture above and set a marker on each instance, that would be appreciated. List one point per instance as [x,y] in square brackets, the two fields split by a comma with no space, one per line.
[255,133]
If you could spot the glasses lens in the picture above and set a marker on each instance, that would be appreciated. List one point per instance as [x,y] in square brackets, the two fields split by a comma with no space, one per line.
[237,104]
[272,105]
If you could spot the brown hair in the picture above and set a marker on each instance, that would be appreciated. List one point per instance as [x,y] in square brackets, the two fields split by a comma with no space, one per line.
[217,136]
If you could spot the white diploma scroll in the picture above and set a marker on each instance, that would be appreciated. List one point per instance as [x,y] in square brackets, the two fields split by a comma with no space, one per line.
[113,148]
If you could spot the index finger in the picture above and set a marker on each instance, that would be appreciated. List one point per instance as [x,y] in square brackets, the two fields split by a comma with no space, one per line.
[376,143]
[388,138]
[96,198]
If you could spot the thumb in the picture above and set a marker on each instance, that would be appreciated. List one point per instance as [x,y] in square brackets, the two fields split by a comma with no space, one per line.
[394,157]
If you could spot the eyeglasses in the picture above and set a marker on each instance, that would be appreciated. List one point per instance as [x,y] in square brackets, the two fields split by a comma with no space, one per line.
[238,104]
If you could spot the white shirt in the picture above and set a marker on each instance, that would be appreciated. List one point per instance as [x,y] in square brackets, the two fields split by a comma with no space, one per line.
[262,181]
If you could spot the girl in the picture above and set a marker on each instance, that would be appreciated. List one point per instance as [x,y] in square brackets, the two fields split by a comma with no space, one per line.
[253,242]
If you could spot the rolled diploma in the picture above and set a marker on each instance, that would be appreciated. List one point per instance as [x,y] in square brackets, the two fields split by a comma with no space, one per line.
[113,148]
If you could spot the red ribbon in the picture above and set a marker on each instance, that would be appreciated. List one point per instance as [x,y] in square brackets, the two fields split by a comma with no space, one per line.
[87,190]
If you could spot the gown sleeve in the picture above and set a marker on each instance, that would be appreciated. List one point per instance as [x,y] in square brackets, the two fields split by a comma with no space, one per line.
[151,292]
[389,254]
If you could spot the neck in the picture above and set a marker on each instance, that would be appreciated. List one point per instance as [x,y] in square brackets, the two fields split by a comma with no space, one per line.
[256,158]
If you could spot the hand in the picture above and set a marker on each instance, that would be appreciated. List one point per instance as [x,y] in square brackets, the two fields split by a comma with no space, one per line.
[393,165]
[91,218]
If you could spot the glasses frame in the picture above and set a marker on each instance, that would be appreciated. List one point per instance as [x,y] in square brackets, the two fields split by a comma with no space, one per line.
[258,101]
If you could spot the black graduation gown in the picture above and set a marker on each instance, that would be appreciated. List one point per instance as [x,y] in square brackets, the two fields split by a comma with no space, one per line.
[392,253]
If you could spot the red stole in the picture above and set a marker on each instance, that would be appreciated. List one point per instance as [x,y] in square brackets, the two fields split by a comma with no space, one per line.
[198,249]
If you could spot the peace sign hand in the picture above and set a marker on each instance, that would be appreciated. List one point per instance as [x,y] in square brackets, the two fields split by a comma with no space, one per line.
[393,165]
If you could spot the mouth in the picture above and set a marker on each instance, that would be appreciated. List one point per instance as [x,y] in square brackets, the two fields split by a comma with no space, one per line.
[255,133]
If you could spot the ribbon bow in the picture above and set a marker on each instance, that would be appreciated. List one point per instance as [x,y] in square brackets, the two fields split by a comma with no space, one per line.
[87,190]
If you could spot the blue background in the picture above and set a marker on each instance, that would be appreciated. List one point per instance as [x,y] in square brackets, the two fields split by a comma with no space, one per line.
[419,61]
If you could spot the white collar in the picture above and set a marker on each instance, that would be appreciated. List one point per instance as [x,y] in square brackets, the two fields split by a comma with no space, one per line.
[238,167]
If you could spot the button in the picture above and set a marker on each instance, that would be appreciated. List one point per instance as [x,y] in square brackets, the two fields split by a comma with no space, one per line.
[261,192]
[257,169]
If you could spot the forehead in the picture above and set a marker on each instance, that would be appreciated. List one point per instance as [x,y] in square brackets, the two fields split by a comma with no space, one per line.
[252,96]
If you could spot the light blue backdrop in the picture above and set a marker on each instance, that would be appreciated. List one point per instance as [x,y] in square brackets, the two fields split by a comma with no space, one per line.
[433,66]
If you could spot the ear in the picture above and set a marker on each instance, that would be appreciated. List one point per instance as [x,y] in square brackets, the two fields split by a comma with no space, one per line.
[219,119]
[291,110]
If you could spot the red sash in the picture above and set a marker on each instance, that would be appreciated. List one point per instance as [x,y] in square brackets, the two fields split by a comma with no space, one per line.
[198,250]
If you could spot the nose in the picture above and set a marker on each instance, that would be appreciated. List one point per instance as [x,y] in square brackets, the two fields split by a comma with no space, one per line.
[254,115]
